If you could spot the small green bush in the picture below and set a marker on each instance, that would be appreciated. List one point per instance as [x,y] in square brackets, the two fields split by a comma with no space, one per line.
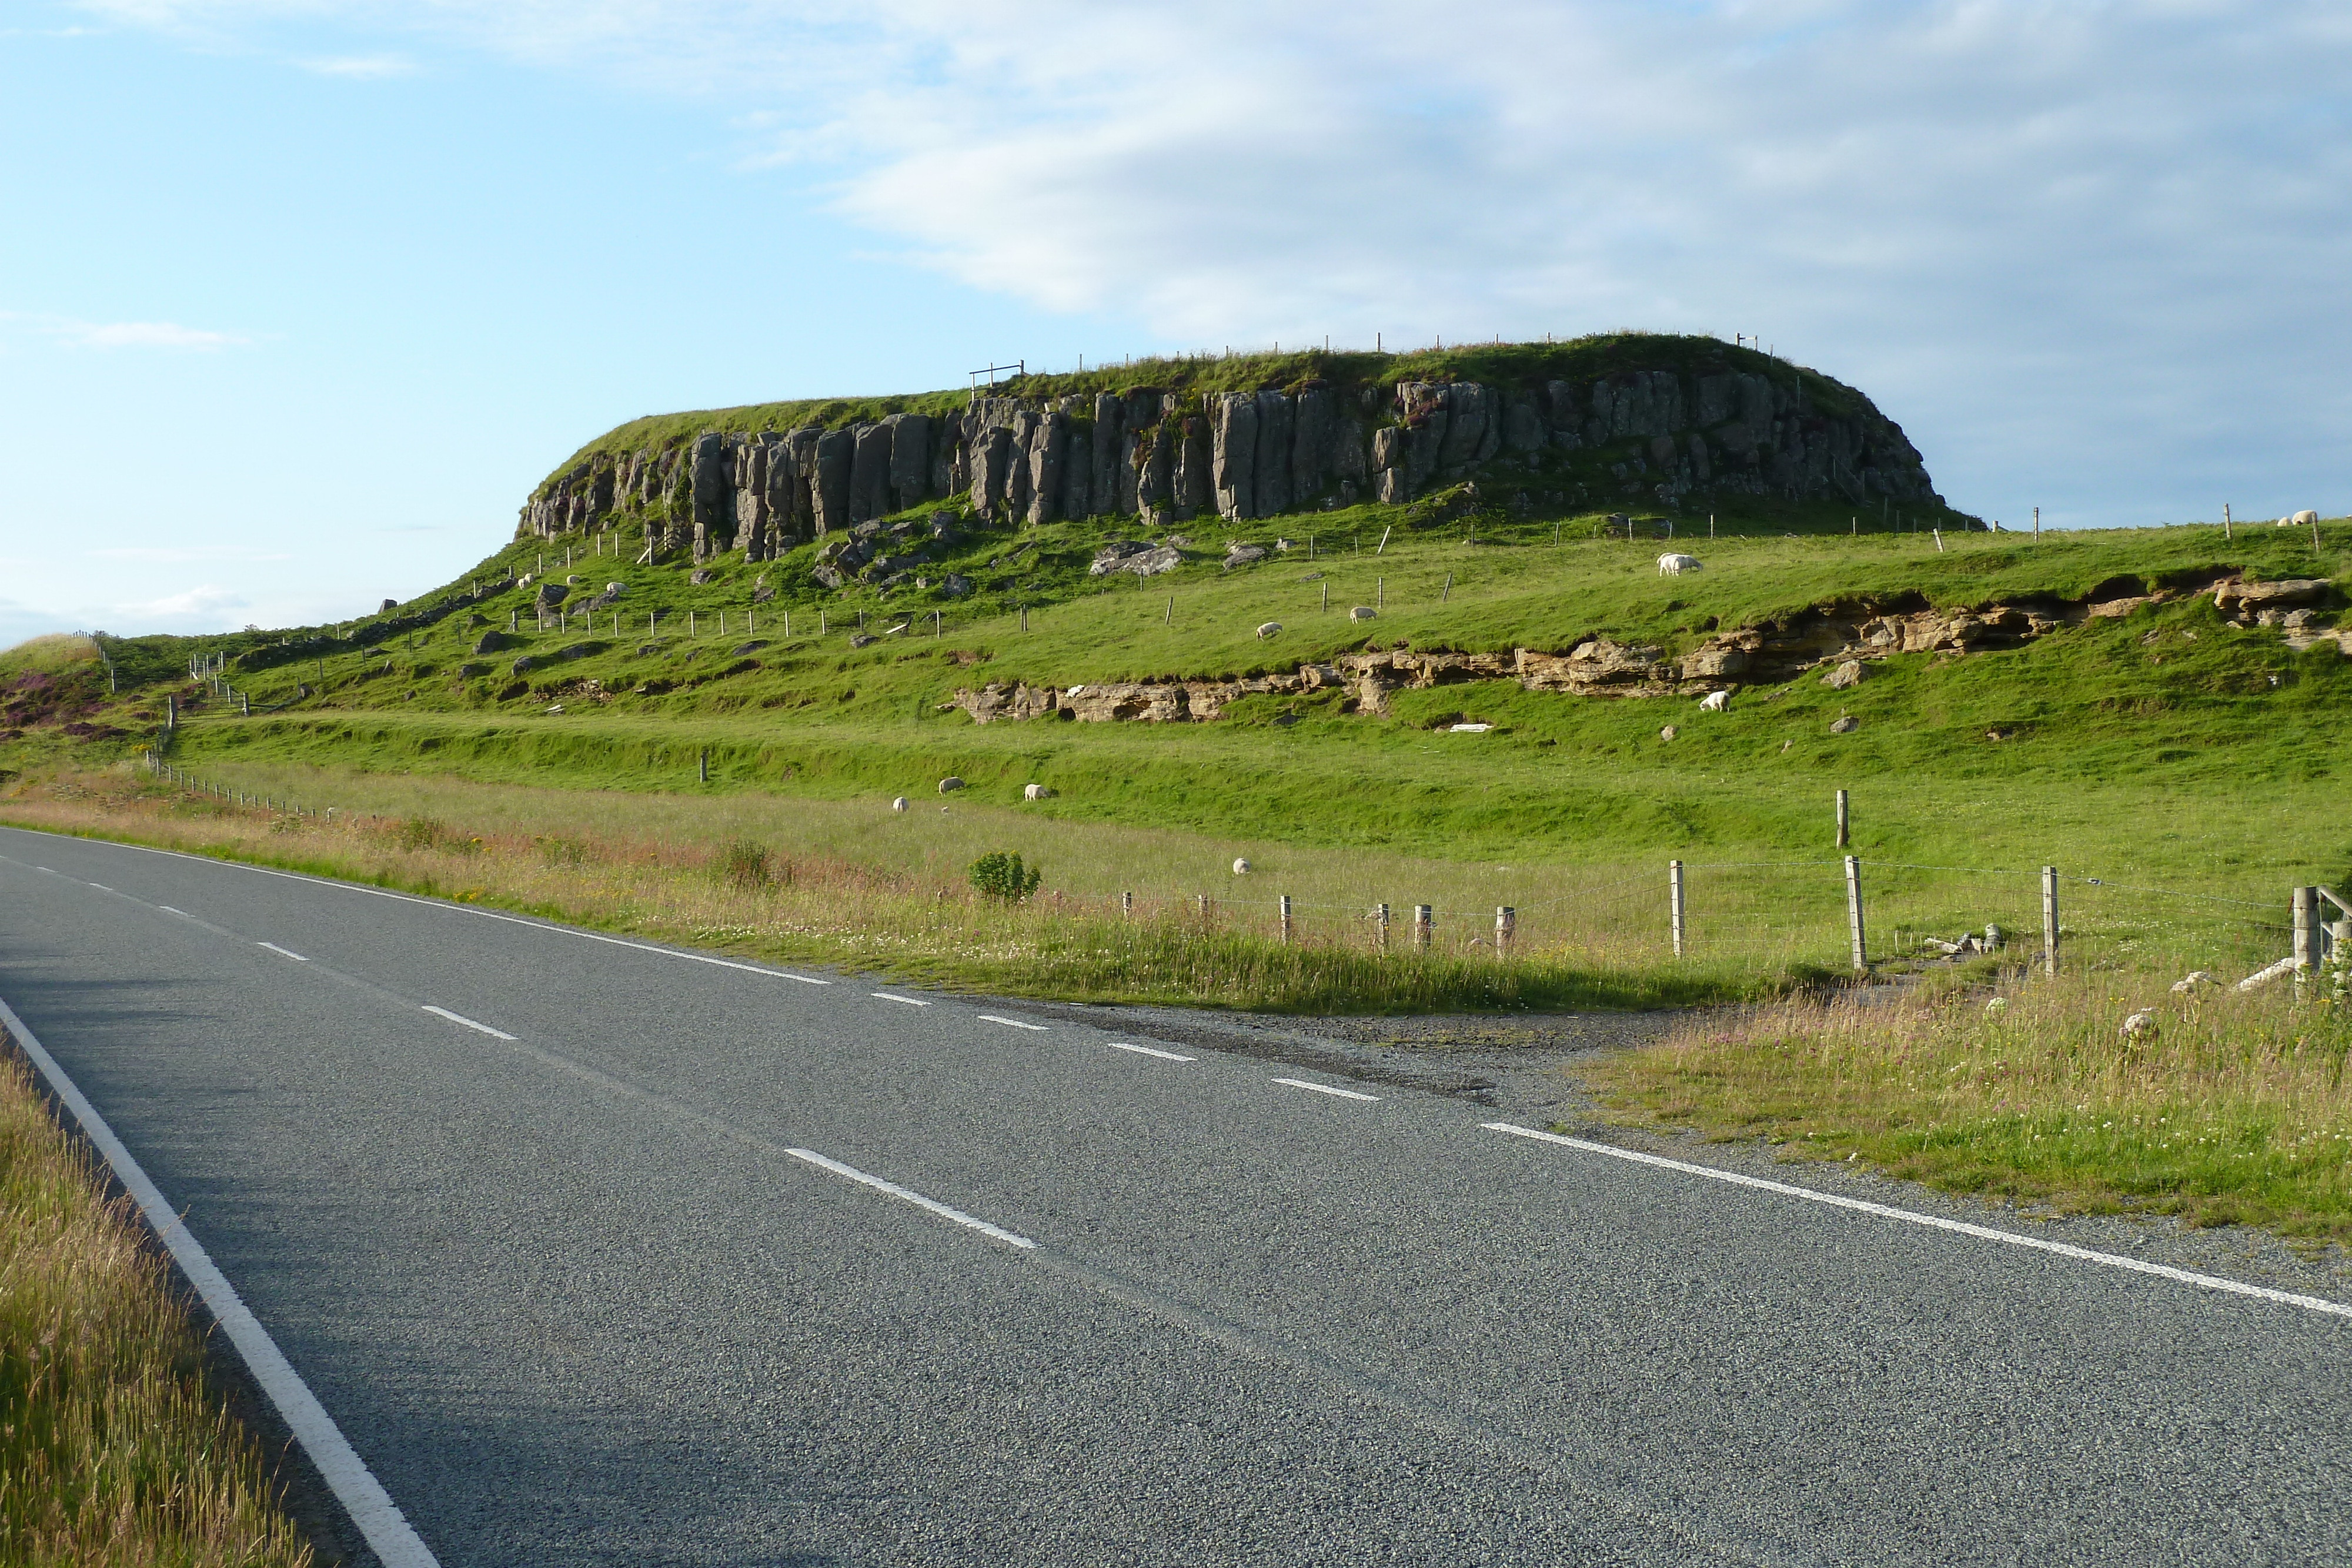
[1003,876]
[417,833]
[745,865]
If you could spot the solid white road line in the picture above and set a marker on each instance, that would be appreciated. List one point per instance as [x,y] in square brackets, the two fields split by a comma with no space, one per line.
[894,1190]
[1983,1232]
[1016,1023]
[43,868]
[181,913]
[362,1495]
[890,997]
[276,948]
[101,887]
[1325,1089]
[469,1023]
[1147,1050]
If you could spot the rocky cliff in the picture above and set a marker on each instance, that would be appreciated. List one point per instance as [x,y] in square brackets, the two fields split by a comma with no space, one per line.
[1604,422]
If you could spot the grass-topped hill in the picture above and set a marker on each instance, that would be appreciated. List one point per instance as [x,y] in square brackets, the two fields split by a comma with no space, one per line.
[1524,366]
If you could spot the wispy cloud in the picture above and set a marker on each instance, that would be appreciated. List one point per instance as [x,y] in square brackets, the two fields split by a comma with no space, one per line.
[181,555]
[207,602]
[120,334]
[2089,245]
[360,68]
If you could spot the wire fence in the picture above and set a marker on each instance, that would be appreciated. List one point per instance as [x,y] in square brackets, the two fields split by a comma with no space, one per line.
[1835,915]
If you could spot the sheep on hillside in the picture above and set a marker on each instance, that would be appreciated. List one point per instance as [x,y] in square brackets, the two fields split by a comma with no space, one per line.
[1673,564]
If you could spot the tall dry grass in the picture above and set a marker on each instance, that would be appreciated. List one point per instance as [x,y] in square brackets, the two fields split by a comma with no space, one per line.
[646,873]
[113,1450]
[2221,1107]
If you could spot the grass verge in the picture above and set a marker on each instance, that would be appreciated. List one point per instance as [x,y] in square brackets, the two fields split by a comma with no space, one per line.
[2228,1108]
[679,875]
[113,1448]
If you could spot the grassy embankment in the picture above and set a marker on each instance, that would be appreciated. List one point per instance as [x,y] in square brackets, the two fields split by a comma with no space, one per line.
[2160,750]
[113,1449]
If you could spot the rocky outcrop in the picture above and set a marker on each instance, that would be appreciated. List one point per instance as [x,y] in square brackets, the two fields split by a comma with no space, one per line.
[1737,422]
[1845,637]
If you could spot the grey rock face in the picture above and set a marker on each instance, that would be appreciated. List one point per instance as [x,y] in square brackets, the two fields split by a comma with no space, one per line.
[388,606]
[751,502]
[492,642]
[1079,472]
[1470,410]
[1524,428]
[1239,554]
[1313,412]
[1392,486]
[991,469]
[1273,467]
[828,574]
[1193,479]
[910,459]
[1048,451]
[1846,725]
[829,489]
[1109,445]
[713,483]
[1234,456]
[1020,477]
[955,586]
[1388,446]
[869,471]
[1847,675]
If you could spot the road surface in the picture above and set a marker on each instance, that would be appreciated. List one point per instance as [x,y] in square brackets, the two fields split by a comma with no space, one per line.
[600,1252]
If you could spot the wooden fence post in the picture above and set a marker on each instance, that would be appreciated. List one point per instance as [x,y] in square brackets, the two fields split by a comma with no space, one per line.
[1127,905]
[1844,838]
[1380,918]
[2049,919]
[1286,920]
[1506,929]
[1204,900]
[1422,921]
[1674,902]
[2304,911]
[702,765]
[1854,913]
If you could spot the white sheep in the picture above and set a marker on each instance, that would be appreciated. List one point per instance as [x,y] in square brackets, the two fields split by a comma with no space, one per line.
[1715,702]
[1674,563]
[1037,791]
[2304,519]
[1270,629]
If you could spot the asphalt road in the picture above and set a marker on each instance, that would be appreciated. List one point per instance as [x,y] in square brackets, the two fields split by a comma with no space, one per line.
[575,1298]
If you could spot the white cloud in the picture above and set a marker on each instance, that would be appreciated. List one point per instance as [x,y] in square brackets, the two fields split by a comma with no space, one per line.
[360,68]
[130,334]
[2088,250]
[206,602]
[183,554]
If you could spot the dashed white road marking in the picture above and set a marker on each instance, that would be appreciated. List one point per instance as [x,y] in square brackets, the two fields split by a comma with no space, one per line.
[894,996]
[469,1023]
[287,952]
[916,1198]
[1936,1222]
[1147,1050]
[1015,1024]
[393,1541]
[43,868]
[1325,1089]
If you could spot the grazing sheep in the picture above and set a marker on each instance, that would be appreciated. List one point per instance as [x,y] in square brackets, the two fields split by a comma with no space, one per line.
[1363,612]
[1036,792]
[899,804]
[1271,629]
[1715,702]
[1674,563]
[1241,868]
[2304,519]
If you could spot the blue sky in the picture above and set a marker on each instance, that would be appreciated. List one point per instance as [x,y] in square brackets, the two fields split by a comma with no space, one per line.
[303,296]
